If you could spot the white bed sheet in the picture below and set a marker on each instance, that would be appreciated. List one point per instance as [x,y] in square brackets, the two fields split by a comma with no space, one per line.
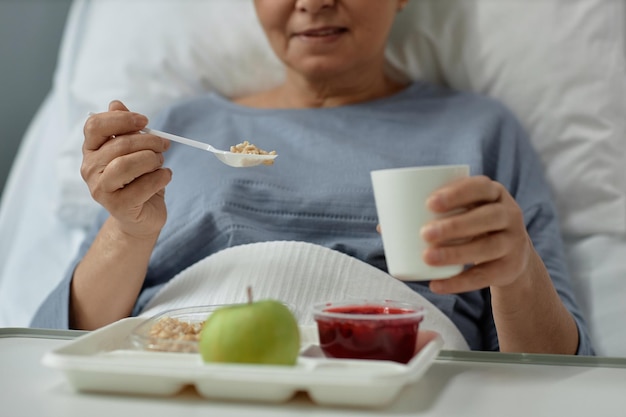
[35,245]
[598,268]
[297,273]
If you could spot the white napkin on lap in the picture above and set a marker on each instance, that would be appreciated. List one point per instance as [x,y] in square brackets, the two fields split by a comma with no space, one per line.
[297,273]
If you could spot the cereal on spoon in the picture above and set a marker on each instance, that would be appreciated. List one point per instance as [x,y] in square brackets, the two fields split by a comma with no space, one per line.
[248,148]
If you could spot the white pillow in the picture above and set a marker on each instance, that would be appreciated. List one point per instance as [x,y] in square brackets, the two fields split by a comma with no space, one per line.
[148,54]
[558,64]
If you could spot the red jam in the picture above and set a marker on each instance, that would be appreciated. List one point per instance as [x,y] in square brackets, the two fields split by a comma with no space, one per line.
[381,339]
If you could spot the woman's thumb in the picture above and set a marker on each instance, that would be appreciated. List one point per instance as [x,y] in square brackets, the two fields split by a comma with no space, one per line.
[117,105]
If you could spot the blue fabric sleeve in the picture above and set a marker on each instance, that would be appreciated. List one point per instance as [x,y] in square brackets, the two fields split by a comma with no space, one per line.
[53,313]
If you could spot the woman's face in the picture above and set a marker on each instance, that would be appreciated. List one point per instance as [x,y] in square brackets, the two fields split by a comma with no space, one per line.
[324,38]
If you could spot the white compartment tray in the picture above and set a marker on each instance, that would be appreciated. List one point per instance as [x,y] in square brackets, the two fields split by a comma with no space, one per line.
[105,361]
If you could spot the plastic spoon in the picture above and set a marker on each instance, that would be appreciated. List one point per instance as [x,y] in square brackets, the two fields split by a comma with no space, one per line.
[233,159]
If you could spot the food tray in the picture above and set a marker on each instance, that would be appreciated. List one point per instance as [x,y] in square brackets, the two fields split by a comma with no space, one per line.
[105,360]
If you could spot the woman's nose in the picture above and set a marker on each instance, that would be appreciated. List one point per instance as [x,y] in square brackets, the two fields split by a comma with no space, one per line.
[314,6]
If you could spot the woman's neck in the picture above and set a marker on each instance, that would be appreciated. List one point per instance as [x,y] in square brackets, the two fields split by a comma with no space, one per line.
[298,92]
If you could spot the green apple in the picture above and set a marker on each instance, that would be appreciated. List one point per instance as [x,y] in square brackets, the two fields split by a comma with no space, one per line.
[261,332]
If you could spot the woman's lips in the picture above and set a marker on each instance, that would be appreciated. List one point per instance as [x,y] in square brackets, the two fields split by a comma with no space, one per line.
[326,33]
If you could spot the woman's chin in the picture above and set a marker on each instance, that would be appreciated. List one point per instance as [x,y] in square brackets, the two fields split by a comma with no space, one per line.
[316,69]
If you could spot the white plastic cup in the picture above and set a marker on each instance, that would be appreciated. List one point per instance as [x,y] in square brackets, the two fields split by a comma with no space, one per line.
[401,195]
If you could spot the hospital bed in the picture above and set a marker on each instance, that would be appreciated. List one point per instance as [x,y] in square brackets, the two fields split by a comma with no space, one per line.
[560,65]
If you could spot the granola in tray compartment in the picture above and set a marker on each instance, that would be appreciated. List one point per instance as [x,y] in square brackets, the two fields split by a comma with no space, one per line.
[173,335]
[248,148]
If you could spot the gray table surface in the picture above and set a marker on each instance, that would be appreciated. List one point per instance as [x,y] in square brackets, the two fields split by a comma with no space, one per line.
[457,383]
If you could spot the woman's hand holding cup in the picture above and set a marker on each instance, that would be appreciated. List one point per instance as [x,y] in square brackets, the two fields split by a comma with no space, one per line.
[495,244]
[462,233]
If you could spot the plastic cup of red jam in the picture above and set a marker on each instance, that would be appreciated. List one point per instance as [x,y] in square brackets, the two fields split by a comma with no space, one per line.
[378,330]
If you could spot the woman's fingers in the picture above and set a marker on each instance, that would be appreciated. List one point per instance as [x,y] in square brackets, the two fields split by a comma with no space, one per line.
[125,169]
[95,162]
[483,249]
[465,192]
[472,279]
[490,235]
[479,220]
[100,128]
[131,143]
[131,199]
[117,105]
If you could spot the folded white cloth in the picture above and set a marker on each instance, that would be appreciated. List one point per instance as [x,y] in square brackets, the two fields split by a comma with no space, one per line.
[297,273]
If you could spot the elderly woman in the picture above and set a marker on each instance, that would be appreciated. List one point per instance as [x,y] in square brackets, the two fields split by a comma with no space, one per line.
[336,117]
